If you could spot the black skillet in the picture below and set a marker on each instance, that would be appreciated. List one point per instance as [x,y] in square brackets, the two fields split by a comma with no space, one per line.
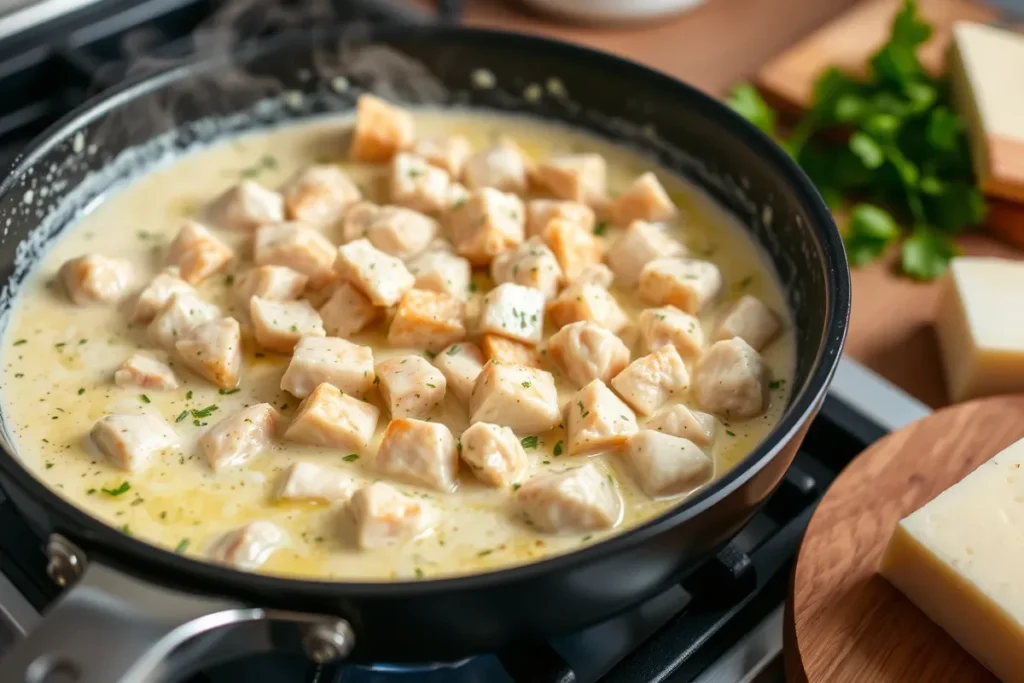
[139,613]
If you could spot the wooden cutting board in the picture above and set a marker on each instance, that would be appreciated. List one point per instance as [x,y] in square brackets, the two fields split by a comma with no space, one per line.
[844,622]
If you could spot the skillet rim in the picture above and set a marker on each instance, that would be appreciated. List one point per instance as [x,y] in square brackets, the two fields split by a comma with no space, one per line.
[153,563]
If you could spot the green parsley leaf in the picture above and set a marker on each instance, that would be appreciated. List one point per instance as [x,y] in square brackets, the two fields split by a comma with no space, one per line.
[123,488]
[182,546]
[351,457]
[926,254]
[870,231]
[144,398]
[181,416]
[748,103]
[453,350]
[228,392]
[558,449]
[601,228]
[530,441]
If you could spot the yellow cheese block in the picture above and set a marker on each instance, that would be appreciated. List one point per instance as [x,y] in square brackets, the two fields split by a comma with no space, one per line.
[960,559]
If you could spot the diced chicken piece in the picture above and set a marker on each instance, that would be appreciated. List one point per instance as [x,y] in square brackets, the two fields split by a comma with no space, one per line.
[597,274]
[516,396]
[597,420]
[576,500]
[531,264]
[449,153]
[666,465]
[588,301]
[585,351]
[237,439]
[278,325]
[276,283]
[131,442]
[348,311]
[503,167]
[495,455]
[540,212]
[310,481]
[509,351]
[669,325]
[333,360]
[384,516]
[441,271]
[250,546]
[678,420]
[179,316]
[247,206]
[96,279]
[319,195]
[401,232]
[640,244]
[513,311]
[457,196]
[416,184]
[460,364]
[158,292]
[146,373]
[488,223]
[729,380]
[576,177]
[652,380]
[381,130]
[410,386]
[427,320]
[420,453]
[298,247]
[357,220]
[198,253]
[751,321]
[644,200]
[575,248]
[213,351]
[687,284]
[332,419]
[381,277]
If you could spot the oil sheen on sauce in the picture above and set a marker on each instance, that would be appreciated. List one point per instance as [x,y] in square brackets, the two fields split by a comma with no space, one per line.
[59,361]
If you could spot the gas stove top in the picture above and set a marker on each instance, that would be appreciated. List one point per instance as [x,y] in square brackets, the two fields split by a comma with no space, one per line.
[721,624]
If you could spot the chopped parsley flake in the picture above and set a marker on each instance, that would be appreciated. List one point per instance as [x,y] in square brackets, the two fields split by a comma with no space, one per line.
[228,392]
[430,354]
[188,396]
[453,350]
[600,228]
[81,391]
[182,546]
[123,488]
[515,487]
[144,398]
[205,412]
[558,449]
[777,384]
[20,342]
[530,441]
[431,385]
[730,433]
[351,457]
[484,553]
[181,416]
[526,385]
[418,572]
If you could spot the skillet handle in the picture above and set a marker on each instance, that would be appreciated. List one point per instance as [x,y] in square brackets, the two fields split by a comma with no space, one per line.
[111,627]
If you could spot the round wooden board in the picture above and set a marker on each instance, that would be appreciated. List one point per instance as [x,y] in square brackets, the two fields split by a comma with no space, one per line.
[844,622]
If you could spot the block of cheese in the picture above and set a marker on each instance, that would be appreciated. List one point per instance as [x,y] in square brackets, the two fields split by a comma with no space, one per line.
[980,325]
[960,559]
[985,65]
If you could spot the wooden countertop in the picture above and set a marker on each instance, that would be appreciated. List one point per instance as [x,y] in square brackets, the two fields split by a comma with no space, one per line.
[721,43]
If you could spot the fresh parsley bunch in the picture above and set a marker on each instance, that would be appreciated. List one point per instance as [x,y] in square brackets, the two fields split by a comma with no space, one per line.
[891,140]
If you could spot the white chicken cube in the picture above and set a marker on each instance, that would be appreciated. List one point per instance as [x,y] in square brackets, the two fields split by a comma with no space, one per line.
[198,253]
[509,351]
[96,279]
[319,195]
[585,351]
[666,465]
[597,274]
[641,243]
[652,380]
[249,546]
[503,167]
[348,311]
[279,325]
[575,248]
[669,325]
[401,232]
[132,442]
[575,177]
[729,380]
[584,300]
[179,316]
[516,396]
[531,264]
[678,420]
[213,351]
[158,292]
[576,500]
[751,321]
[333,360]
[247,206]
[357,220]
[460,364]
[313,482]
[277,283]
[410,386]
[416,184]
[427,320]
[540,212]
[332,419]
[644,200]
[494,454]
[513,311]
[457,196]
[381,130]
[384,516]
[687,284]
[486,224]
[448,153]
[439,270]
[239,438]
[597,420]
[296,246]
[381,277]
[420,453]
[145,372]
